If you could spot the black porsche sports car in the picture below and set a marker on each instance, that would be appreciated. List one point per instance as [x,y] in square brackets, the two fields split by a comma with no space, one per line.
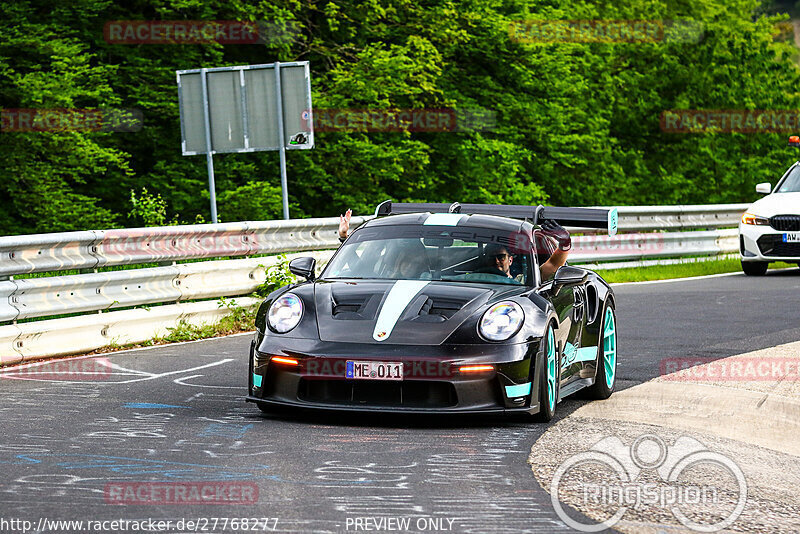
[412,315]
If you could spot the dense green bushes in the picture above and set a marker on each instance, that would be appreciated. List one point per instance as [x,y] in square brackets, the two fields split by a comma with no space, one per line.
[576,123]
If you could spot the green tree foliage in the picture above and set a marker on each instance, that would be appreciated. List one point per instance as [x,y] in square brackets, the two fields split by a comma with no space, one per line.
[574,123]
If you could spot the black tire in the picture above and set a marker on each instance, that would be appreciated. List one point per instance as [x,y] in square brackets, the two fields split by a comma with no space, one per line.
[606,348]
[755,268]
[547,403]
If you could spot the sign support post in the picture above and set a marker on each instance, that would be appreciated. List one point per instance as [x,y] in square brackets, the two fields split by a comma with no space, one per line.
[282,142]
[209,157]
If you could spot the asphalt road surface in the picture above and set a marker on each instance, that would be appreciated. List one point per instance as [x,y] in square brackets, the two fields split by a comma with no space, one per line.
[174,419]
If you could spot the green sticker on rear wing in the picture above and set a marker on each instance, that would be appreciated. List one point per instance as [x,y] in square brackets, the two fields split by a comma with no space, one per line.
[613,219]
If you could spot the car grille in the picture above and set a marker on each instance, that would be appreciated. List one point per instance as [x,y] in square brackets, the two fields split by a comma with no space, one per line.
[785,223]
[773,245]
[405,394]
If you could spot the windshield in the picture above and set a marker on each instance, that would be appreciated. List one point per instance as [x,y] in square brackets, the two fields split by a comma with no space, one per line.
[792,182]
[432,253]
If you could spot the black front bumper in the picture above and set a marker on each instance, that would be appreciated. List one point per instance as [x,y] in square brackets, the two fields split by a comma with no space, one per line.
[432,382]
[772,245]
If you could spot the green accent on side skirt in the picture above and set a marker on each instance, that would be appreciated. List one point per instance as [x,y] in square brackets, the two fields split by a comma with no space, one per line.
[586,354]
[520,390]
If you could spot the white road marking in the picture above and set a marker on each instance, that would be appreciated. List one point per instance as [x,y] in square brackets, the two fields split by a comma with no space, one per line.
[182,383]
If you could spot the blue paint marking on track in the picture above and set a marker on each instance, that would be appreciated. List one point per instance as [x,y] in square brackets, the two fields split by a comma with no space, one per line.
[148,405]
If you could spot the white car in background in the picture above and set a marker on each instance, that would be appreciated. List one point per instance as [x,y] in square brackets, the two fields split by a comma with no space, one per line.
[770,228]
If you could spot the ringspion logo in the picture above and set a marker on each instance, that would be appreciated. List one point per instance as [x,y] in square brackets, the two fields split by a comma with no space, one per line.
[704,490]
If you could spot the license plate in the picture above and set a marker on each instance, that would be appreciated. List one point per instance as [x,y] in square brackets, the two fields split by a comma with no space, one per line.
[791,237]
[374,370]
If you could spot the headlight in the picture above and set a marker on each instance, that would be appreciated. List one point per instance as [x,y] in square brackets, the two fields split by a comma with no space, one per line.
[749,218]
[285,313]
[501,321]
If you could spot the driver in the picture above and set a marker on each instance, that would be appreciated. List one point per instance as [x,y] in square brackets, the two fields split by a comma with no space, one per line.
[501,259]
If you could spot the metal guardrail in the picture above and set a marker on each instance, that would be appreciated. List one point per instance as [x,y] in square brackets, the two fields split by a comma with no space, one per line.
[104,248]
[599,248]
[85,333]
[688,217]
[48,252]
[175,284]
[42,297]
[98,248]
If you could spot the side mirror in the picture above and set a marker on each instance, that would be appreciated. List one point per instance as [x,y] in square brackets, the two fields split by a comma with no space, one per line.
[303,267]
[764,188]
[567,275]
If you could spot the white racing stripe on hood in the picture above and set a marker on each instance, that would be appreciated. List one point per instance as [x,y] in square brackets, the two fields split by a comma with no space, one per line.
[401,294]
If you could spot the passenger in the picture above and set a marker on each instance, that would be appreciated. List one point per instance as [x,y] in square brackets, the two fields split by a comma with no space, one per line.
[411,267]
[344,225]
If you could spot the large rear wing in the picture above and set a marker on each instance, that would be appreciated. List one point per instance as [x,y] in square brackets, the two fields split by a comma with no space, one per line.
[576,217]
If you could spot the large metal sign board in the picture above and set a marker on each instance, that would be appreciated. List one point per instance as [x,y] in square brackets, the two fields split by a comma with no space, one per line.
[247,107]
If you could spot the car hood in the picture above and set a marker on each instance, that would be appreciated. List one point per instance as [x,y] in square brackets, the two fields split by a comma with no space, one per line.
[407,312]
[776,204]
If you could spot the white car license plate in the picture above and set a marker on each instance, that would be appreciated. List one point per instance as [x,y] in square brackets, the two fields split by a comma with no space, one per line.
[791,237]
[374,370]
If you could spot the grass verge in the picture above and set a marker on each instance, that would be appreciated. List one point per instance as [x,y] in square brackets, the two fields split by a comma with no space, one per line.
[678,270]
